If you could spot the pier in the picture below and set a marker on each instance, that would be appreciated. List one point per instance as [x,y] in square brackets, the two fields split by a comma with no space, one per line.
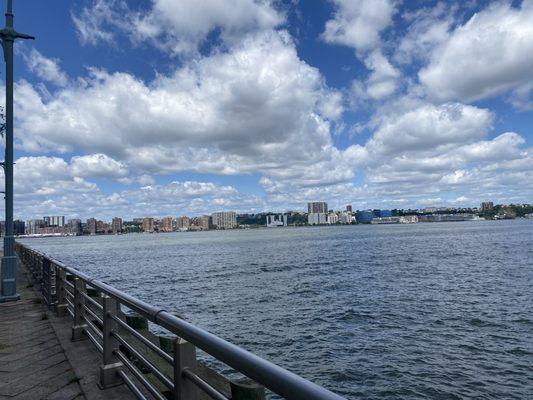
[74,337]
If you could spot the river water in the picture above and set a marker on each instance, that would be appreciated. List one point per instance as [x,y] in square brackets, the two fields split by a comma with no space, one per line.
[436,310]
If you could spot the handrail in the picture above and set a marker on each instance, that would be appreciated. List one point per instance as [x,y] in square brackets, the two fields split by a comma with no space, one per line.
[275,378]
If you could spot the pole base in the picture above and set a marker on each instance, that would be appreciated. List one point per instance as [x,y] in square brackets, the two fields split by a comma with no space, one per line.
[8,282]
[5,299]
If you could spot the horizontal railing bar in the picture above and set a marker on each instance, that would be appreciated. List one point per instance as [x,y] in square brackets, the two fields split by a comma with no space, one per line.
[70,312]
[70,303]
[138,374]
[69,284]
[164,379]
[93,327]
[93,314]
[129,383]
[275,378]
[94,341]
[69,293]
[203,385]
[144,340]
[92,301]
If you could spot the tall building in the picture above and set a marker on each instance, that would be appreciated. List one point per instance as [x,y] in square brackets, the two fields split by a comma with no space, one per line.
[349,208]
[33,226]
[58,220]
[166,224]
[365,217]
[116,225]
[317,207]
[225,220]
[183,223]
[487,206]
[200,223]
[91,226]
[317,218]
[274,221]
[74,226]
[148,224]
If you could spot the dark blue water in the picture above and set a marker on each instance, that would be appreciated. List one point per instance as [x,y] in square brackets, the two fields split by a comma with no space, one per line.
[440,311]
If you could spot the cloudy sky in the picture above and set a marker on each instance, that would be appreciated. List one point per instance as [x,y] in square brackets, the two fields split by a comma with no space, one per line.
[163,107]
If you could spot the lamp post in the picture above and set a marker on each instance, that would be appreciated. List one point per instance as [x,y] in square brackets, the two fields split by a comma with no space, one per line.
[8,268]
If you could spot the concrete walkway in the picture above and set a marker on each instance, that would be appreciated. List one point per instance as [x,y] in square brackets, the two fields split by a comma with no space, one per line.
[37,358]
[33,364]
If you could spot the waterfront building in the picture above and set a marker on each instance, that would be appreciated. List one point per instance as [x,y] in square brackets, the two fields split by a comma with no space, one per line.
[91,226]
[385,220]
[58,220]
[276,220]
[317,207]
[332,218]
[317,218]
[202,223]
[148,224]
[345,218]
[225,220]
[382,213]
[364,217]
[349,208]
[116,225]
[74,226]
[408,219]
[487,206]
[166,224]
[183,223]
[33,226]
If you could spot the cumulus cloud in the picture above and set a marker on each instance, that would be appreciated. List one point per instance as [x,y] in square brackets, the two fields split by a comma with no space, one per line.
[177,27]
[97,166]
[47,69]
[490,54]
[358,23]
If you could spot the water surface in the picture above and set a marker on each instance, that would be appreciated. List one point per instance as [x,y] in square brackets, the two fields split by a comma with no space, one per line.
[442,310]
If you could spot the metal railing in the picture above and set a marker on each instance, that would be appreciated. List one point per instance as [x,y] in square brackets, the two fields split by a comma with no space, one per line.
[96,312]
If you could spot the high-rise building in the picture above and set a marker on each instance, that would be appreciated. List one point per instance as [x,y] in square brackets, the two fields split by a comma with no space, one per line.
[166,224]
[349,208]
[487,206]
[183,223]
[58,220]
[148,224]
[74,226]
[317,218]
[200,223]
[91,226]
[116,225]
[225,220]
[317,207]
[33,226]
[274,221]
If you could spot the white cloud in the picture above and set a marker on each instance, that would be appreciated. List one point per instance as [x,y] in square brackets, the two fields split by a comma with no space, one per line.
[47,69]
[178,27]
[382,81]
[358,23]
[98,166]
[488,55]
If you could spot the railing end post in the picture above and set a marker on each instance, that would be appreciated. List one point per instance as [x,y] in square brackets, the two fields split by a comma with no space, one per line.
[109,376]
[184,357]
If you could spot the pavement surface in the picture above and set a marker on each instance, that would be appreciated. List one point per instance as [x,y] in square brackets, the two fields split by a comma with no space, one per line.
[38,359]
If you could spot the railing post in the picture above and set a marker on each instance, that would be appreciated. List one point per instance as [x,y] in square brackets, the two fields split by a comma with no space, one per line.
[79,310]
[47,284]
[184,357]
[111,365]
[61,303]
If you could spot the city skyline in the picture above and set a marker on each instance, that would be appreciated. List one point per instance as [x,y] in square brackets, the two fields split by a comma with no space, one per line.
[283,104]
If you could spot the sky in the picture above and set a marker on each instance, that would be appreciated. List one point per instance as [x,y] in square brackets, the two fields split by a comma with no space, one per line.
[161,107]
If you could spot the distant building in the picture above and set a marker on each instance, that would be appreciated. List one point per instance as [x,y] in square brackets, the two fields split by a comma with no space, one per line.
[317,218]
[345,217]
[364,217]
[166,224]
[225,220]
[183,223]
[148,224]
[74,226]
[382,213]
[58,220]
[332,218]
[349,208]
[277,220]
[200,223]
[33,226]
[91,226]
[487,206]
[116,225]
[317,207]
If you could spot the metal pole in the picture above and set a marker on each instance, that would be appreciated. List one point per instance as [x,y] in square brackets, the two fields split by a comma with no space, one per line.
[8,268]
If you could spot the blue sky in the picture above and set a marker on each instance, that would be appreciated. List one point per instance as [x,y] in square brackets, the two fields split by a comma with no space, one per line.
[157,107]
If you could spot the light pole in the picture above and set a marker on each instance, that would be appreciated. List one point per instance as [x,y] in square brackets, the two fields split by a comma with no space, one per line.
[8,268]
